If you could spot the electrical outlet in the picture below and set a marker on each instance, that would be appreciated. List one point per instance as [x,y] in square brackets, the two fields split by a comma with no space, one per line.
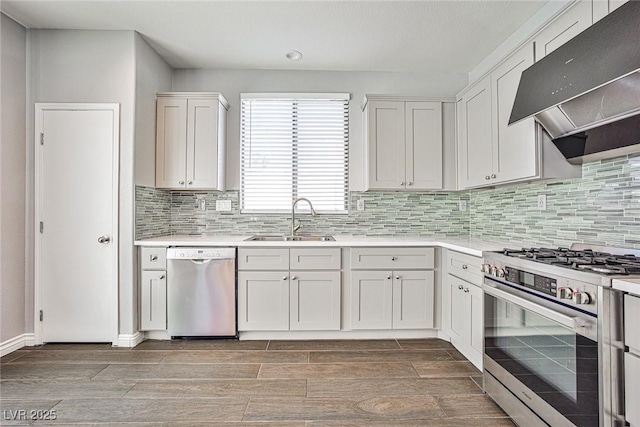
[360,204]
[202,203]
[542,202]
[462,205]
[223,205]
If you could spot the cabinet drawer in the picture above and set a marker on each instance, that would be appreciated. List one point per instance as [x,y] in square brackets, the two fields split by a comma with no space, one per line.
[392,258]
[464,266]
[153,258]
[631,320]
[263,259]
[314,259]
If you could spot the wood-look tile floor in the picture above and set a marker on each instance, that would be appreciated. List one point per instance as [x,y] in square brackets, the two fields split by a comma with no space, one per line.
[246,383]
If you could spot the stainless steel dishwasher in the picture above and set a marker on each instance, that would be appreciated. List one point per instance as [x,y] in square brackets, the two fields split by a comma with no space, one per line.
[201,290]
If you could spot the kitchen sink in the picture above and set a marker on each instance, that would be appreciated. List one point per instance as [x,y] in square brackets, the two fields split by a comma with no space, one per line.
[291,239]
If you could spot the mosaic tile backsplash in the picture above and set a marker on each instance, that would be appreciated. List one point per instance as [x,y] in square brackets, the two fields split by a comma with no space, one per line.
[603,207]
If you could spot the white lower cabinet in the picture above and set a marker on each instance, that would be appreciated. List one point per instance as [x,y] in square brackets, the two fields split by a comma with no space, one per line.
[263,301]
[314,303]
[392,299]
[273,298]
[153,289]
[463,305]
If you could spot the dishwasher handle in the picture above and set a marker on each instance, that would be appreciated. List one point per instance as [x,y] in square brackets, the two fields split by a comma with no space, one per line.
[201,253]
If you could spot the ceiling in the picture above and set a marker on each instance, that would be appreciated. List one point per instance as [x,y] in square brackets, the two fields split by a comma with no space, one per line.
[401,36]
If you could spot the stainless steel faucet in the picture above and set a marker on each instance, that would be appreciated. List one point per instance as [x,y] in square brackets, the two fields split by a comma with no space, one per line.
[295,227]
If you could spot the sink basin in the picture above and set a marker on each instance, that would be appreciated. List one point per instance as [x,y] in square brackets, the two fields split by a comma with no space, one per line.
[291,239]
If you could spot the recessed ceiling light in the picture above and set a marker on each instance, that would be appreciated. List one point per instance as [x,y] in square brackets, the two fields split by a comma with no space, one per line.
[294,55]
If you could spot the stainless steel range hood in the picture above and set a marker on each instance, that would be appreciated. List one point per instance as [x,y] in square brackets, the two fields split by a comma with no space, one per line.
[592,80]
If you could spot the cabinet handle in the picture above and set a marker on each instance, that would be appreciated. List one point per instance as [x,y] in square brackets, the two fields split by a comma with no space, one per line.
[493,176]
[294,278]
[388,277]
[284,278]
[181,182]
[487,177]
[466,289]
[397,277]
[162,277]
[393,258]
[153,257]
[410,183]
[460,287]
[190,182]
[465,266]
[402,183]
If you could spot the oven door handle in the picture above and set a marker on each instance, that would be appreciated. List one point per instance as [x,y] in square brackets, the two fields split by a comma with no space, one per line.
[569,322]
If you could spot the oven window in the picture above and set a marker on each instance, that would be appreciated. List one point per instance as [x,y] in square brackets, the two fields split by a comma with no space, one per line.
[554,362]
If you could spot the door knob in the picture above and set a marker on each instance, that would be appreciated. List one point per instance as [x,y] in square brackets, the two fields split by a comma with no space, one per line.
[104,239]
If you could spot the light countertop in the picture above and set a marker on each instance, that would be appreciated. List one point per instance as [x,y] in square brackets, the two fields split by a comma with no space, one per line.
[461,244]
[627,285]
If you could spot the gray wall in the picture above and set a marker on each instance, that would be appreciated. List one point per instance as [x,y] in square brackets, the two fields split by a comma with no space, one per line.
[231,83]
[89,66]
[12,178]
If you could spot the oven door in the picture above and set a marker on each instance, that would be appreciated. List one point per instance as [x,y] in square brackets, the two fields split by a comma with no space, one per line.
[544,353]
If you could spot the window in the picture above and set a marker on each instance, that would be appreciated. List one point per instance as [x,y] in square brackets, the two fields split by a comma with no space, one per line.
[294,145]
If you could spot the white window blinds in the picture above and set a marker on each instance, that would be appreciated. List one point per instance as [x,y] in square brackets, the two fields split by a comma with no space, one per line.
[294,145]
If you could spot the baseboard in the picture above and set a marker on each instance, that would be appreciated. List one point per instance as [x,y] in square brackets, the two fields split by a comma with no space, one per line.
[338,335]
[130,340]
[16,343]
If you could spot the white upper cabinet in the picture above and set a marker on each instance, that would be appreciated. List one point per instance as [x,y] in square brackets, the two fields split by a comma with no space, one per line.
[403,144]
[568,25]
[475,142]
[190,141]
[514,147]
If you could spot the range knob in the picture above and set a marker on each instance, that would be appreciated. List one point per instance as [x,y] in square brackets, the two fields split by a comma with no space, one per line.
[485,268]
[565,293]
[582,298]
[499,272]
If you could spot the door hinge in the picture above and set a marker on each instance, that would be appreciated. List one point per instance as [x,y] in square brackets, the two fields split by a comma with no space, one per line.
[41,227]
[41,315]
[41,138]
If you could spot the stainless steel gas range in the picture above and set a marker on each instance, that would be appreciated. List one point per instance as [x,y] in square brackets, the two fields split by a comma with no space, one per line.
[553,352]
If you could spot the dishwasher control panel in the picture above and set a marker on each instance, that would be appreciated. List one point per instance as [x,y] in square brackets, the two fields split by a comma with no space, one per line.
[201,253]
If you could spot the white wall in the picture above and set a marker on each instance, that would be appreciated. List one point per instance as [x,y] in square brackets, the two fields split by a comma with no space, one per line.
[12,178]
[231,83]
[153,75]
[88,66]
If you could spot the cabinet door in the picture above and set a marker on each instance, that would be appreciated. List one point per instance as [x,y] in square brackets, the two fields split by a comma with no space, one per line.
[475,140]
[423,126]
[457,310]
[632,388]
[413,299]
[263,301]
[153,301]
[171,143]
[475,325]
[315,301]
[575,20]
[386,146]
[202,143]
[515,147]
[371,299]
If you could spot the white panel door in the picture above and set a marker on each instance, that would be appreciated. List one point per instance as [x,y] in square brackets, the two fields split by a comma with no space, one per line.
[202,147]
[371,299]
[423,145]
[413,299]
[574,21]
[515,149]
[475,139]
[171,143]
[76,209]
[386,145]
[315,300]
[263,301]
